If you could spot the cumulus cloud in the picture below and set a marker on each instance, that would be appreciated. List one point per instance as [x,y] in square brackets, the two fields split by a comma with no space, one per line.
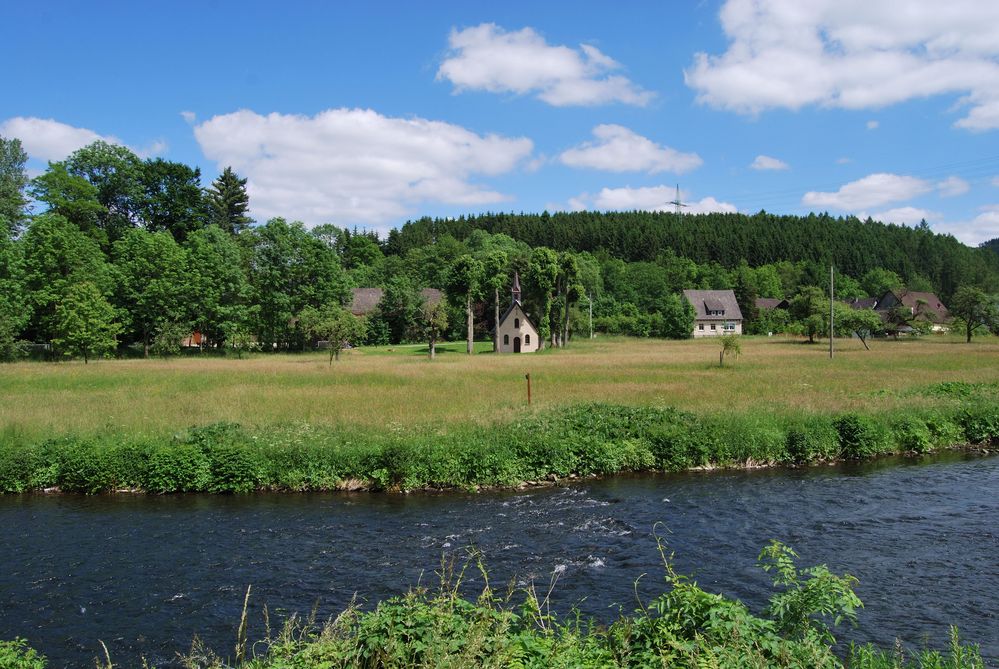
[953,186]
[618,149]
[767,163]
[905,216]
[486,57]
[872,191]
[981,228]
[351,166]
[50,140]
[872,125]
[647,198]
[189,116]
[854,54]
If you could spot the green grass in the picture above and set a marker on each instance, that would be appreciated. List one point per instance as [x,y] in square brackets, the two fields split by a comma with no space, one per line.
[396,387]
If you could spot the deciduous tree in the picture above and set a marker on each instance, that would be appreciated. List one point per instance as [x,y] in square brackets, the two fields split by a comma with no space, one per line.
[150,271]
[85,322]
[974,310]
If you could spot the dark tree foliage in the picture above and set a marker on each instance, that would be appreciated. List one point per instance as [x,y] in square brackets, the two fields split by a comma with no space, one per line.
[228,202]
[115,172]
[172,198]
[853,246]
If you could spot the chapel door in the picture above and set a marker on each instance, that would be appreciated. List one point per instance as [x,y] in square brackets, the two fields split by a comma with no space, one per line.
[516,344]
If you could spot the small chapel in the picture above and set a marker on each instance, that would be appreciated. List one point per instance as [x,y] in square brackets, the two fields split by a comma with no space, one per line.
[515,333]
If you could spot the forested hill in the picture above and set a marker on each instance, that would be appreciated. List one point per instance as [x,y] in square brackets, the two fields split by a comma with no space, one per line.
[854,246]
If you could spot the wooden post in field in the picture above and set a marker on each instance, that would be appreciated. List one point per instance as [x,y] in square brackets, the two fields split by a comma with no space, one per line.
[528,377]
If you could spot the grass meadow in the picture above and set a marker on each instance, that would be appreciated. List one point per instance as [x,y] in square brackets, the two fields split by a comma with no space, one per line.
[398,388]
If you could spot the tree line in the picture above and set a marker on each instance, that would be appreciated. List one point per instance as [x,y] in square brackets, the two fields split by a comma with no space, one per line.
[126,254]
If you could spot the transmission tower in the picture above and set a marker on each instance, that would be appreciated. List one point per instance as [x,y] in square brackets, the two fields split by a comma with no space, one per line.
[677,203]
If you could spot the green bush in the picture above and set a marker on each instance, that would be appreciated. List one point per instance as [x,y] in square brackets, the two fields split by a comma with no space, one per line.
[812,439]
[18,465]
[17,655]
[177,468]
[861,436]
[944,429]
[980,423]
[911,434]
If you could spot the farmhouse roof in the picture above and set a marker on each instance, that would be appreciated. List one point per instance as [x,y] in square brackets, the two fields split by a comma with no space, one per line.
[365,300]
[864,303]
[921,303]
[771,303]
[704,301]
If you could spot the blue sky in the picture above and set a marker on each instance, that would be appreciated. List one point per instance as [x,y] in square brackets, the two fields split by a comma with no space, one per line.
[369,114]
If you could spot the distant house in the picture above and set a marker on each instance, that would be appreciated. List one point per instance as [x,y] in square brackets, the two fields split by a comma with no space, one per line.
[515,332]
[771,303]
[922,306]
[364,301]
[716,312]
[864,303]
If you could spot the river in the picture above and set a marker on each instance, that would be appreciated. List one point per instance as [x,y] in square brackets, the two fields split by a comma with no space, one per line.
[145,573]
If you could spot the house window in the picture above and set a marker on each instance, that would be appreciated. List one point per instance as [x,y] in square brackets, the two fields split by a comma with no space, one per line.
[730,326]
[506,340]
[516,323]
[700,326]
[712,326]
[527,339]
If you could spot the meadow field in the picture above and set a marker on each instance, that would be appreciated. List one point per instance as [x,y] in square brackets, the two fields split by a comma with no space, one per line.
[398,388]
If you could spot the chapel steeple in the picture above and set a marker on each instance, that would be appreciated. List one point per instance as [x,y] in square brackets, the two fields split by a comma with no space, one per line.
[516,288]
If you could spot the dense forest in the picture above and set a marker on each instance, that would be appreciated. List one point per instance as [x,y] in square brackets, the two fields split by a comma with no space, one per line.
[108,253]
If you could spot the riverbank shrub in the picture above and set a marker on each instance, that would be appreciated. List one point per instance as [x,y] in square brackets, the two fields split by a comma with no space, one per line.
[980,423]
[862,436]
[584,440]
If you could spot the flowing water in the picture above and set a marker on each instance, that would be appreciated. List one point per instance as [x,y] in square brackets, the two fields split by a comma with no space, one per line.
[145,574]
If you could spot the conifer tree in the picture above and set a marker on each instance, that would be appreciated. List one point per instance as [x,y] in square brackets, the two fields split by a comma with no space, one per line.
[228,202]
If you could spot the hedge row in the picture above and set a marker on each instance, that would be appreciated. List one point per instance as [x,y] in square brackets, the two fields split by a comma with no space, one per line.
[593,439]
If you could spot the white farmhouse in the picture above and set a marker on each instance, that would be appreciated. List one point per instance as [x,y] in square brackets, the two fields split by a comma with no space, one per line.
[515,333]
[716,312]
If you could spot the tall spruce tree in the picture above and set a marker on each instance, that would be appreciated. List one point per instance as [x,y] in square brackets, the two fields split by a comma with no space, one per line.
[228,202]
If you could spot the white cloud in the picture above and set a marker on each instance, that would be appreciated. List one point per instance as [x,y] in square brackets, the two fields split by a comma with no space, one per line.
[189,116]
[981,228]
[872,125]
[648,198]
[953,186]
[50,140]
[872,191]
[351,166]
[843,161]
[905,216]
[618,149]
[768,163]
[854,54]
[486,57]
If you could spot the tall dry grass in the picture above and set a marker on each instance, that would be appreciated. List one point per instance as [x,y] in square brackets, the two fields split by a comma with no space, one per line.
[399,388]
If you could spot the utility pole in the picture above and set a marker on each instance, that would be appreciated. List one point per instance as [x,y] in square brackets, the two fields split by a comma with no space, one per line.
[831,330]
